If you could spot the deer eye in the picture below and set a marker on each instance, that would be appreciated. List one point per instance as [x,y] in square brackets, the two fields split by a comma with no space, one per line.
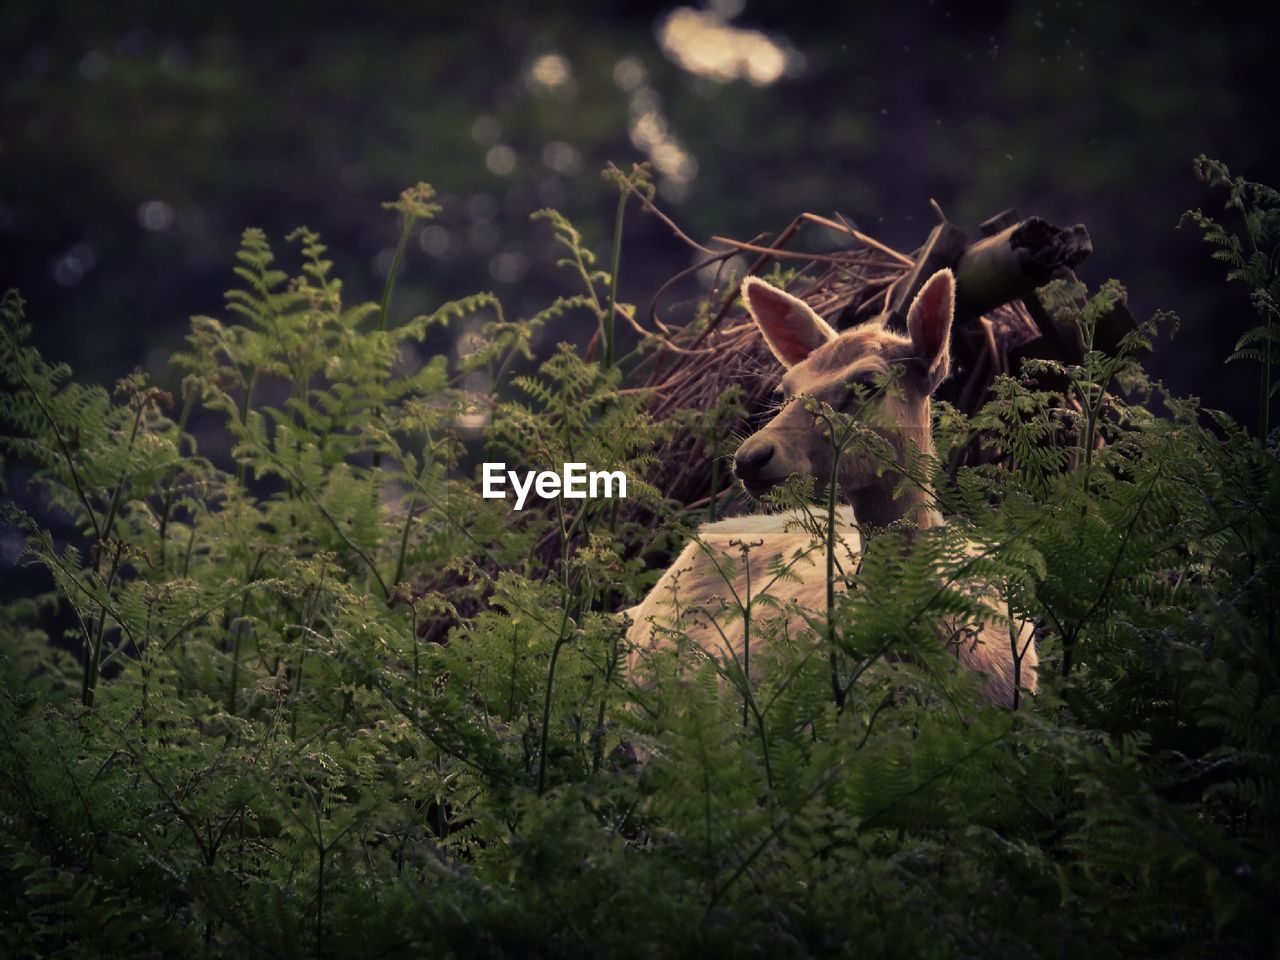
[857,390]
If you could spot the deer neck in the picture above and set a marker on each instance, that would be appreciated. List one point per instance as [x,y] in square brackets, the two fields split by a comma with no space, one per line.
[876,506]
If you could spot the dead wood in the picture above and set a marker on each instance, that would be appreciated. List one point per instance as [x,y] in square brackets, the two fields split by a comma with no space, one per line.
[1012,263]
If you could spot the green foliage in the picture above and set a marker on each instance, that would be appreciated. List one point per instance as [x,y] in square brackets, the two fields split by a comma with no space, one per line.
[1253,259]
[250,741]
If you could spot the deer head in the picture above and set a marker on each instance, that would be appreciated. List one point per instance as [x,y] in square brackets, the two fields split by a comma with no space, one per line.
[825,365]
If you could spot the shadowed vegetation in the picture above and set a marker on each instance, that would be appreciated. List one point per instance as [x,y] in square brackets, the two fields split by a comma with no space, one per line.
[244,740]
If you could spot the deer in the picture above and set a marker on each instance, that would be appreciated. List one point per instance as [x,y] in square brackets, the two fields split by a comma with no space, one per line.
[737,558]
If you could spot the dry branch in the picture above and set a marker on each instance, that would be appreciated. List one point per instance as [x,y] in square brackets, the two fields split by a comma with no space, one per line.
[997,314]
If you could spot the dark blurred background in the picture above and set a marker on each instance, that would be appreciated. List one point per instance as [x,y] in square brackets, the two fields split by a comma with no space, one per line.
[137,139]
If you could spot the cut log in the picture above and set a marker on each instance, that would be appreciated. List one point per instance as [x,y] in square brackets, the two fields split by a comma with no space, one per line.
[993,225]
[1014,257]
[1011,264]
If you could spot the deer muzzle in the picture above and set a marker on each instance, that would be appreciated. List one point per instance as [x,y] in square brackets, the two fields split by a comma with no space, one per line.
[757,465]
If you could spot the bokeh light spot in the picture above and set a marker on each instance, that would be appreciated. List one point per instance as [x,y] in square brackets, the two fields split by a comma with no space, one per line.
[435,241]
[93,65]
[381,265]
[562,157]
[552,191]
[155,215]
[629,73]
[500,160]
[551,72]
[482,206]
[485,130]
[483,236]
[71,266]
[706,45]
[508,267]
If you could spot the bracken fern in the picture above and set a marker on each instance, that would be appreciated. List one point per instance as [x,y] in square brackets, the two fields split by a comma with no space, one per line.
[315,696]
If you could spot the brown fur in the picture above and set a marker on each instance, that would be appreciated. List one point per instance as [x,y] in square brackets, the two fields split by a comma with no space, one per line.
[708,581]
[700,591]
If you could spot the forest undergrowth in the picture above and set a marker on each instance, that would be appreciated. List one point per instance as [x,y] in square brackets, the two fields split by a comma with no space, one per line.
[245,740]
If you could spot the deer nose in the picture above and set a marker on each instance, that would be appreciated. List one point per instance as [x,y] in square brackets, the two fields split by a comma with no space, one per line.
[751,458]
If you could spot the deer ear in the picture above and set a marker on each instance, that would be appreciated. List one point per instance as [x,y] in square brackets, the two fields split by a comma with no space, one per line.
[929,324]
[790,327]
